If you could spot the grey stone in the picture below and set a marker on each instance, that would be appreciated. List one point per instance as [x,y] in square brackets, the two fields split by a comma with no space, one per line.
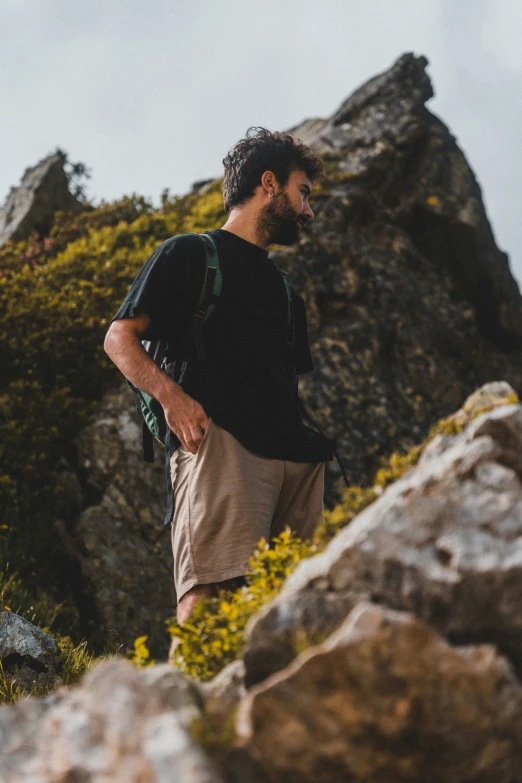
[22,641]
[114,727]
[226,689]
[410,303]
[122,547]
[177,692]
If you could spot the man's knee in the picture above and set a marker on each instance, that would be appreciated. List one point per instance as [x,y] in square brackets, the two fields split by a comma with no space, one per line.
[188,601]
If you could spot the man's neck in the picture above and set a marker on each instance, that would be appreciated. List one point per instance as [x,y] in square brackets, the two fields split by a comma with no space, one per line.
[244,228]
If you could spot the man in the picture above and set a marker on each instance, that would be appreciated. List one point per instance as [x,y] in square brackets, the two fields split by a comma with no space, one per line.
[246,466]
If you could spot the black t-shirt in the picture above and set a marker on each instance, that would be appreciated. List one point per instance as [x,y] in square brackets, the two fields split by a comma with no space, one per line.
[248,381]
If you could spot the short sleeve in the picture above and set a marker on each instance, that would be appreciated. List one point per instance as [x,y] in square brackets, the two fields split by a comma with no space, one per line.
[302,356]
[167,287]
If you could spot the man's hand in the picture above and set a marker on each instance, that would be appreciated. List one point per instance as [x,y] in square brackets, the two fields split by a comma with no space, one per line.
[184,415]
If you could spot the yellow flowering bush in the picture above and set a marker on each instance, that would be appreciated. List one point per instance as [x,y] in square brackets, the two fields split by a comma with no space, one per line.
[214,635]
[140,656]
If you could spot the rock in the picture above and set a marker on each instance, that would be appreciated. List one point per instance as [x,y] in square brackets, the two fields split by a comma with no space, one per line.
[444,542]
[114,727]
[224,692]
[176,691]
[411,305]
[123,548]
[387,699]
[216,727]
[43,191]
[26,652]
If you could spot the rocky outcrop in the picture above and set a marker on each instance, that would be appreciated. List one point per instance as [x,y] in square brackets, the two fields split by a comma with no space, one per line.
[444,543]
[26,652]
[43,191]
[386,699]
[117,727]
[410,303]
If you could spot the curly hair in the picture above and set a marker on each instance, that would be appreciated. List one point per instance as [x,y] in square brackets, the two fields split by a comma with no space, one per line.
[260,151]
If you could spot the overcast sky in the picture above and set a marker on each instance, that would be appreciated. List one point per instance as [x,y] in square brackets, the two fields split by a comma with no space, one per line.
[152,94]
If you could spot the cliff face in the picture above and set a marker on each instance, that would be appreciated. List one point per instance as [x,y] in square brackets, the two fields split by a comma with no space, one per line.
[411,304]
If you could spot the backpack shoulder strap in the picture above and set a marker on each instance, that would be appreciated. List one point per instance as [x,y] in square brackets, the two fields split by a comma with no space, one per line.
[210,293]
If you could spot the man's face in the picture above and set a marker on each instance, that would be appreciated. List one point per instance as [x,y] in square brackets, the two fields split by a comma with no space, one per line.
[281,219]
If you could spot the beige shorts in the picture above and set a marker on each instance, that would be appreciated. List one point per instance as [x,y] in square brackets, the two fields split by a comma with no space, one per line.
[227,498]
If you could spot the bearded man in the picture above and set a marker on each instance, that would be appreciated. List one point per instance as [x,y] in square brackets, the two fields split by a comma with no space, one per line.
[246,465]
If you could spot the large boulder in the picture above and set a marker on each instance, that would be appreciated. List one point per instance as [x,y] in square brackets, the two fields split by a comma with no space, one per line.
[444,543]
[43,191]
[385,698]
[118,726]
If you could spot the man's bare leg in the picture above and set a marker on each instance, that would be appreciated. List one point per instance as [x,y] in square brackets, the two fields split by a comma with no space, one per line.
[189,600]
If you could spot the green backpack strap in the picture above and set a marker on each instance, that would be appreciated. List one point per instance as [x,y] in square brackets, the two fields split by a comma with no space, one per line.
[210,293]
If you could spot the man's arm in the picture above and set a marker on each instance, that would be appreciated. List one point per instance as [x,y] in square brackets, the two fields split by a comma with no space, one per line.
[184,415]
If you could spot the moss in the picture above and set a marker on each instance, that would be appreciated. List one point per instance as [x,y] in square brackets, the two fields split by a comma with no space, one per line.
[215,732]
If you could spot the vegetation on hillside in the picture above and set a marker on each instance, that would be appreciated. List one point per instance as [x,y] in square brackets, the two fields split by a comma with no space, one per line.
[57,295]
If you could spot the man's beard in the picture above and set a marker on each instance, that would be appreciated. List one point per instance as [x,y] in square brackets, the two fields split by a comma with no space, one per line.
[278,223]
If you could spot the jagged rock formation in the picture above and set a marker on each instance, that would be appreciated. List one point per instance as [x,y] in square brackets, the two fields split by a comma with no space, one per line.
[43,191]
[410,305]
[385,698]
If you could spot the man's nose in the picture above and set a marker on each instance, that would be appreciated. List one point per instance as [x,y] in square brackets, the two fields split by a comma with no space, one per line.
[308,212]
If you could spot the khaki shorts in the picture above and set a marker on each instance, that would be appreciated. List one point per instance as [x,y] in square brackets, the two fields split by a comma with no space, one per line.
[227,498]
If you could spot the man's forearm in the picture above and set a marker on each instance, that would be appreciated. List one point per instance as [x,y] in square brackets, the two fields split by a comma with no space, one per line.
[124,348]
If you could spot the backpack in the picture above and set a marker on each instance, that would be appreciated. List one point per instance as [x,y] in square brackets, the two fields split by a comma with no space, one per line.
[148,408]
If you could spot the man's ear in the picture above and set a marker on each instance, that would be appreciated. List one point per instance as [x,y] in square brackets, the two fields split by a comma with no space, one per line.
[268,181]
